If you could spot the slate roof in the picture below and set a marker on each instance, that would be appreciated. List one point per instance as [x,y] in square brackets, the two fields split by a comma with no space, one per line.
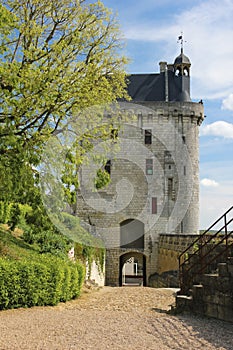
[146,87]
[182,59]
[151,87]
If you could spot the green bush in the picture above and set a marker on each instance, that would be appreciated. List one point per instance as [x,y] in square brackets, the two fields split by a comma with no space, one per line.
[66,292]
[26,283]
[9,284]
[5,212]
[14,214]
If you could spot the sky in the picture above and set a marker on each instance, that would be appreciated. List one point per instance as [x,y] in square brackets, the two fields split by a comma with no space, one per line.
[150,29]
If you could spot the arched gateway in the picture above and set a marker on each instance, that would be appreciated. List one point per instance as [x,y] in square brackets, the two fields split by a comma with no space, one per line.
[132,264]
[132,269]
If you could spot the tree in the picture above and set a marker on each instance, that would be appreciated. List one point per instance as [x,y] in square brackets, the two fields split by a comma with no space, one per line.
[57,58]
[60,57]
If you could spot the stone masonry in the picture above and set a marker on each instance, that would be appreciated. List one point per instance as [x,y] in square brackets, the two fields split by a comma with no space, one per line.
[154,186]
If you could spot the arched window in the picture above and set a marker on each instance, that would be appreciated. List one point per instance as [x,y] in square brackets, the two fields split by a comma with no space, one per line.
[178,71]
[186,71]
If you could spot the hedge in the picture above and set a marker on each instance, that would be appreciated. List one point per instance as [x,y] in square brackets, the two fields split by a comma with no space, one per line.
[46,281]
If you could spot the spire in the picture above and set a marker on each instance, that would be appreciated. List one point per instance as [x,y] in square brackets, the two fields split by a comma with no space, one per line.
[181,41]
[182,72]
[182,62]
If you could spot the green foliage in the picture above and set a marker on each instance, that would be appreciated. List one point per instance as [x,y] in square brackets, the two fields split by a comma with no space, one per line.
[88,254]
[58,57]
[102,179]
[7,24]
[15,216]
[70,226]
[45,281]
[36,226]
[87,247]
[50,242]
[5,212]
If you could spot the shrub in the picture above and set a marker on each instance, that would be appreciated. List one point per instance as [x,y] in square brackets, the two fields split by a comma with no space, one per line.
[27,283]
[5,212]
[9,284]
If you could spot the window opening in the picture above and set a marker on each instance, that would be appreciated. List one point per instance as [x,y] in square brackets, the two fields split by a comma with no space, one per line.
[108,166]
[149,166]
[114,134]
[148,137]
[154,205]
[170,188]
[182,227]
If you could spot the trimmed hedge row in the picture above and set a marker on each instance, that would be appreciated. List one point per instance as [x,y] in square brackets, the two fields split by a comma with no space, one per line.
[26,283]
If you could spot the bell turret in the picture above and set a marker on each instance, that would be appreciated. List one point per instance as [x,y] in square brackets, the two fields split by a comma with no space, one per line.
[182,66]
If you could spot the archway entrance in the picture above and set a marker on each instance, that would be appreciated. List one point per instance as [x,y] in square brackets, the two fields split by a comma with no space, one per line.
[132,269]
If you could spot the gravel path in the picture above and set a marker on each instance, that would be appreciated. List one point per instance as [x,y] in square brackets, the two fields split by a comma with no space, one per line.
[112,318]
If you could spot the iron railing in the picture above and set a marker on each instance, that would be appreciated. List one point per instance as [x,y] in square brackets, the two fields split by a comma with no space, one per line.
[203,254]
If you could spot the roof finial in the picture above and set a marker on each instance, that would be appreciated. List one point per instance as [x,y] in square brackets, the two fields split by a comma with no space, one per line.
[181,41]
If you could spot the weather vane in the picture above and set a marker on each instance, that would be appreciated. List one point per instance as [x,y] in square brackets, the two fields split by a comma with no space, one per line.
[181,41]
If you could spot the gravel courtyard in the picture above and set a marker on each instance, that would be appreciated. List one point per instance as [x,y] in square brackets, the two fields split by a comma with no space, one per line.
[112,318]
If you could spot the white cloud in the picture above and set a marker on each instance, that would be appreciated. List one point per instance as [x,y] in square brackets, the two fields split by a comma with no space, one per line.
[215,200]
[227,103]
[209,183]
[208,28]
[211,209]
[219,128]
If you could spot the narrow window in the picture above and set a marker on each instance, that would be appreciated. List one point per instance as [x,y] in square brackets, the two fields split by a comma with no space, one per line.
[154,205]
[182,227]
[140,120]
[149,166]
[107,167]
[184,170]
[170,187]
[148,137]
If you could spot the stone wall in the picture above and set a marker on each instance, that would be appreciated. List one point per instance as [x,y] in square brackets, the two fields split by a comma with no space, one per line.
[94,274]
[155,183]
[169,249]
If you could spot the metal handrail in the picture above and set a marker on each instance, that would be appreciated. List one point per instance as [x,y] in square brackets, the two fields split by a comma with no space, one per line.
[202,241]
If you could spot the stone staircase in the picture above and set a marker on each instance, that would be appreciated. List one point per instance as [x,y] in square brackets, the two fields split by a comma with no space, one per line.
[213,296]
[206,272]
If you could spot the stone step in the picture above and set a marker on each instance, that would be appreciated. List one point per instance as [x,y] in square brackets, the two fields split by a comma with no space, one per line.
[223,270]
[230,265]
[183,303]
[197,290]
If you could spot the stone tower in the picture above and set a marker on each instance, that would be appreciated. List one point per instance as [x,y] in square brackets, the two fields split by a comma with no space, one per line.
[154,186]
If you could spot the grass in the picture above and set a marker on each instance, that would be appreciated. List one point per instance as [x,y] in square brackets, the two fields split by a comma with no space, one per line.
[12,246]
